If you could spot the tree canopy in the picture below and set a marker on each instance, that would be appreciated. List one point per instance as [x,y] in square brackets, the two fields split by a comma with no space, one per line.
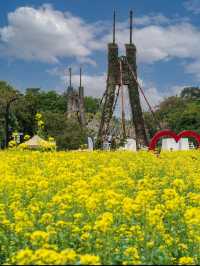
[18,113]
[51,104]
[178,113]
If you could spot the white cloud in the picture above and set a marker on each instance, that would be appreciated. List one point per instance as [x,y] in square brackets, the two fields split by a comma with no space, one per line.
[162,43]
[152,94]
[156,96]
[194,68]
[152,19]
[158,19]
[94,85]
[156,43]
[193,6]
[45,34]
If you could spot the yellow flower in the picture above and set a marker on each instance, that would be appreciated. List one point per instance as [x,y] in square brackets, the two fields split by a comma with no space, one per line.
[68,256]
[150,244]
[192,216]
[179,184]
[89,260]
[85,236]
[132,253]
[186,261]
[23,257]
[105,221]
[194,198]
[128,206]
[39,238]
[38,116]
[46,257]
[169,194]
[183,246]
[78,215]
[73,207]
[46,218]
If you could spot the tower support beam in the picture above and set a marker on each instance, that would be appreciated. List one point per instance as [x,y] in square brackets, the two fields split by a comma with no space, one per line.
[81,102]
[112,80]
[120,74]
[134,97]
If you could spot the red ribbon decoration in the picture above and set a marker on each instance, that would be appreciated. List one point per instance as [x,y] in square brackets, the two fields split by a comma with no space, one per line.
[169,133]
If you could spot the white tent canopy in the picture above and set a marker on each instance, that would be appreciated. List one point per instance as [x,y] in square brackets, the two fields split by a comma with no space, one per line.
[35,142]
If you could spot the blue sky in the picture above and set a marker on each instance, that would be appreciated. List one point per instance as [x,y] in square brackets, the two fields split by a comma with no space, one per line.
[39,40]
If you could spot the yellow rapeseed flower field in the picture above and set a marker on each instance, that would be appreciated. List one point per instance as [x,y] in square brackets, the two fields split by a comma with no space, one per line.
[99,208]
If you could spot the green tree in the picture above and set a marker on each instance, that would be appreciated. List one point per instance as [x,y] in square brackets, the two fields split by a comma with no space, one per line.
[150,124]
[52,101]
[73,136]
[178,113]
[8,96]
[188,119]
[52,106]
[191,93]
[67,132]
[35,100]
[91,104]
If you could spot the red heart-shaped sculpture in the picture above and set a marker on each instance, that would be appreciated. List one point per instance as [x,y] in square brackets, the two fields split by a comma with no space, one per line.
[169,133]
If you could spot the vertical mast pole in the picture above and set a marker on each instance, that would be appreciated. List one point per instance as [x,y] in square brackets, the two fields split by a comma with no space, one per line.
[70,77]
[131,26]
[81,101]
[80,77]
[114,27]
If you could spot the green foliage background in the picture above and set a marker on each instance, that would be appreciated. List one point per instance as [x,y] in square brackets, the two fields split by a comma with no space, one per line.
[52,105]
[176,113]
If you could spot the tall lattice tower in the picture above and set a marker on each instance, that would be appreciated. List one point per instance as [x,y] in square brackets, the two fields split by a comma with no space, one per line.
[122,71]
[75,100]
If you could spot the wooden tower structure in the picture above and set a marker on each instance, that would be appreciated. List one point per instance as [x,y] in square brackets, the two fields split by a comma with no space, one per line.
[122,71]
[75,101]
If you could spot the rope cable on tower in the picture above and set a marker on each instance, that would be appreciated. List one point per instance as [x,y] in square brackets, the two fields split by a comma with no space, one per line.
[145,98]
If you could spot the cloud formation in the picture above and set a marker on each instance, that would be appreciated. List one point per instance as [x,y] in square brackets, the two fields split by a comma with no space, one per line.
[94,85]
[156,43]
[193,6]
[45,34]
[194,68]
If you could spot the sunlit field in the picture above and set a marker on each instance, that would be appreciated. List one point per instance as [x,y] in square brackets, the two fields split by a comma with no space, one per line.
[99,208]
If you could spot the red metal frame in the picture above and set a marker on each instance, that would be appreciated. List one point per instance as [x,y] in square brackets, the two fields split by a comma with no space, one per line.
[170,133]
